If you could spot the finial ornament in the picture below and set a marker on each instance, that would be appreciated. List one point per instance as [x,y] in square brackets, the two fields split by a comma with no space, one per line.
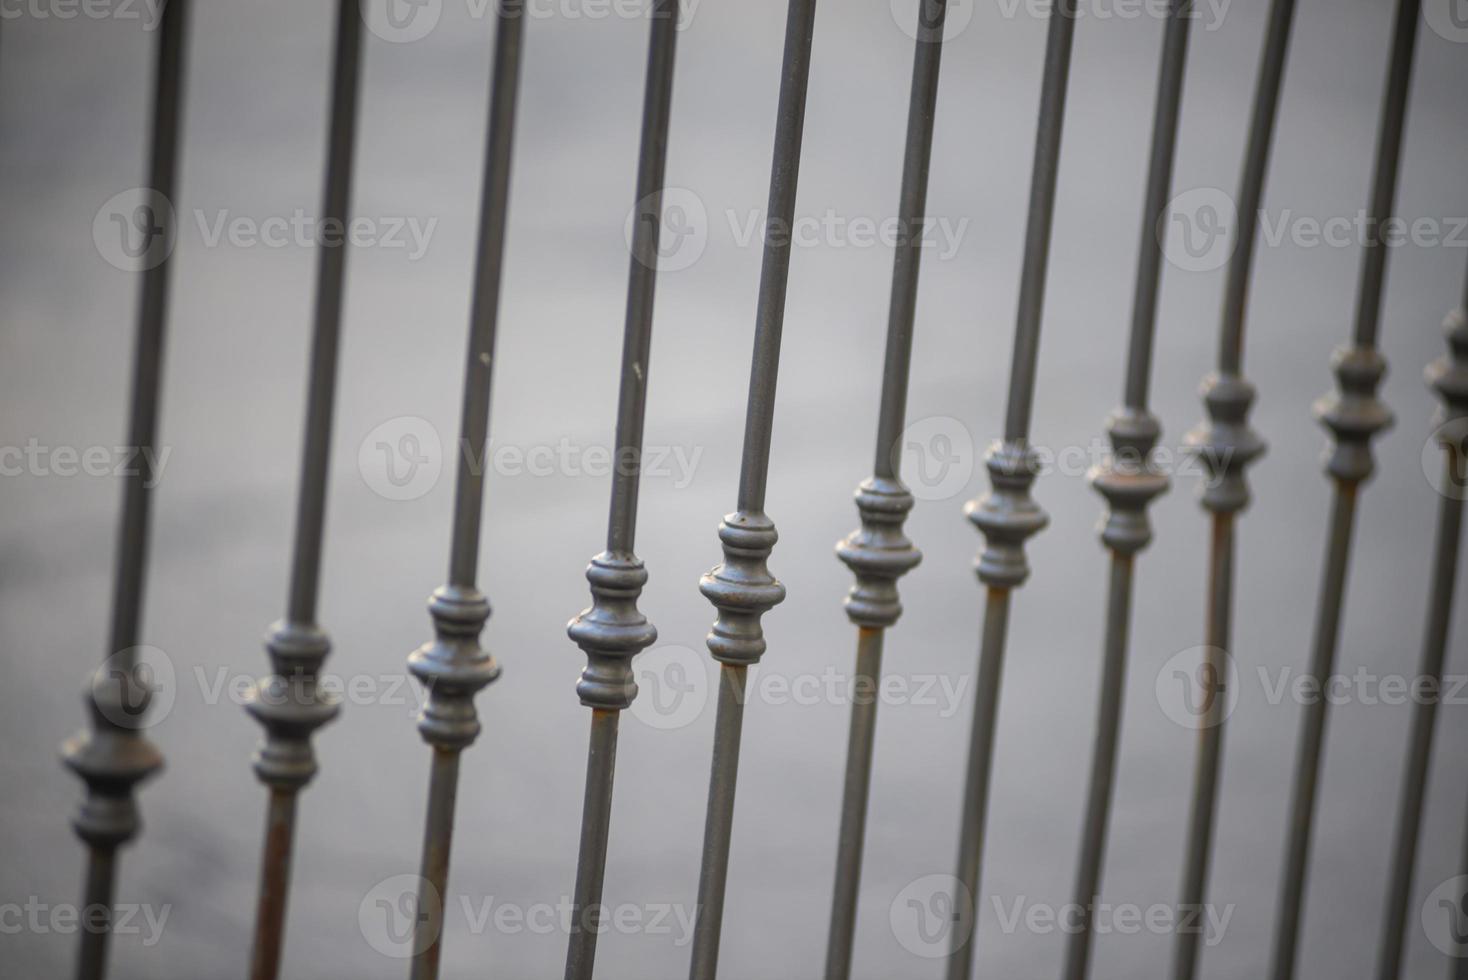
[879,552]
[1007,515]
[1129,480]
[611,631]
[1448,375]
[453,667]
[1226,444]
[742,589]
[112,757]
[291,705]
[1353,413]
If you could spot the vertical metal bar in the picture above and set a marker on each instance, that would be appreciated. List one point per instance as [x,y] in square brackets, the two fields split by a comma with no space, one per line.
[1129,482]
[289,704]
[878,552]
[612,631]
[112,755]
[1354,416]
[1008,516]
[741,588]
[855,793]
[454,667]
[1448,376]
[1226,445]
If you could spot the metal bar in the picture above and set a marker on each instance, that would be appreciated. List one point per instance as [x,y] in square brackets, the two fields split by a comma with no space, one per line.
[612,631]
[719,823]
[1040,221]
[288,703]
[974,822]
[454,667]
[1008,516]
[855,792]
[1227,446]
[1354,416]
[878,552]
[1129,481]
[742,588]
[1448,376]
[112,755]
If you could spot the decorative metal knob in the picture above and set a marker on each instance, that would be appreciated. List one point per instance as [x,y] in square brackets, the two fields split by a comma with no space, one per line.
[453,667]
[112,758]
[1007,515]
[1448,375]
[1353,413]
[742,588]
[878,553]
[612,631]
[1226,444]
[290,704]
[1129,480]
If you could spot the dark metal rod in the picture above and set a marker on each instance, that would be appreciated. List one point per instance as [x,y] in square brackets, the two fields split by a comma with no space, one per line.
[454,667]
[1251,190]
[775,270]
[719,822]
[1039,224]
[1419,753]
[438,835]
[855,791]
[742,588]
[109,756]
[1312,732]
[1354,415]
[976,779]
[911,209]
[275,876]
[878,552]
[1384,182]
[484,315]
[1210,742]
[1103,765]
[591,864]
[612,631]
[1458,970]
[642,279]
[330,279]
[1159,189]
[295,706]
[1227,446]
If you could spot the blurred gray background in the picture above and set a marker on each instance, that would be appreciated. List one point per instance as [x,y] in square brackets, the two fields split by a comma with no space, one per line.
[73,101]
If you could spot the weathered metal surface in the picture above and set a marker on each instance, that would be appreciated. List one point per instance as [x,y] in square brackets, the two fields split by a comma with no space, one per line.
[454,666]
[1227,446]
[742,588]
[879,552]
[1008,516]
[1354,416]
[289,703]
[612,631]
[113,755]
[1448,377]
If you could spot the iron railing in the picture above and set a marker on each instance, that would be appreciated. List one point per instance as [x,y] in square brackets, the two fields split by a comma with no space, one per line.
[113,756]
